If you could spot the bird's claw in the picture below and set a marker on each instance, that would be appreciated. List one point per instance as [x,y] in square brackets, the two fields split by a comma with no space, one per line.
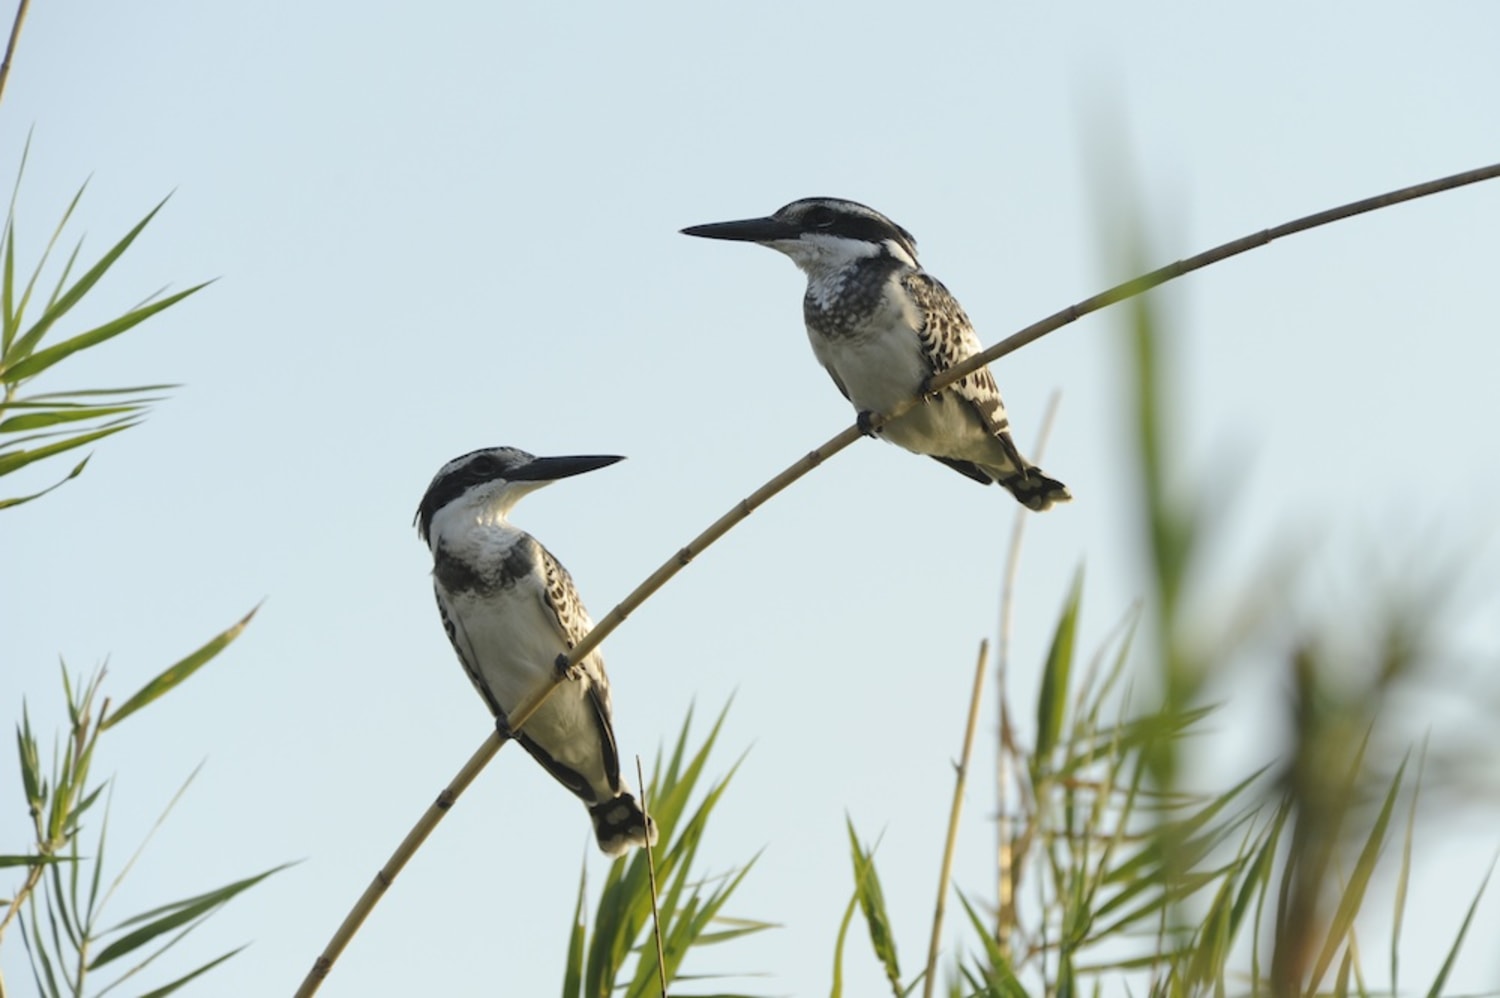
[502,728]
[865,422]
[564,670]
[926,391]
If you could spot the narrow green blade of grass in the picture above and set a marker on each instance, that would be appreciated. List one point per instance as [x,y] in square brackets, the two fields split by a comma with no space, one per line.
[1052,701]
[178,672]
[1353,897]
[33,860]
[38,362]
[32,780]
[19,459]
[872,903]
[172,916]
[1403,876]
[837,989]
[577,935]
[52,417]
[1442,976]
[9,321]
[18,500]
[63,301]
[167,989]
[997,976]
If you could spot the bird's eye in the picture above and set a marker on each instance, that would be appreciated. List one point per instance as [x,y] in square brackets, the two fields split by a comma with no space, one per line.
[821,218]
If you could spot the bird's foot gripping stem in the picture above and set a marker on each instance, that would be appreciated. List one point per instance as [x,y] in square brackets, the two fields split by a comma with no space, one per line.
[502,728]
[564,671]
[865,420]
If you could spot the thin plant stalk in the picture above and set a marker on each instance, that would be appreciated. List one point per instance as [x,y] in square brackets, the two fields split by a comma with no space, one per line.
[929,979]
[661,955]
[1005,903]
[742,510]
[10,46]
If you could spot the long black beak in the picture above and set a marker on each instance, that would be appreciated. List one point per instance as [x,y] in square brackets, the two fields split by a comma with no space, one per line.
[747,230]
[550,469]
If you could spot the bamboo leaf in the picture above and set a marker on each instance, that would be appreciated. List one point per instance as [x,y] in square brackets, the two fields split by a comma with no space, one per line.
[177,673]
[167,989]
[38,362]
[872,903]
[33,860]
[1052,701]
[1342,922]
[19,459]
[573,971]
[52,417]
[18,500]
[63,301]
[1442,977]
[172,916]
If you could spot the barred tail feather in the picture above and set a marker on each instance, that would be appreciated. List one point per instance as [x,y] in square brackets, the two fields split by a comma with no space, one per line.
[1033,489]
[620,824]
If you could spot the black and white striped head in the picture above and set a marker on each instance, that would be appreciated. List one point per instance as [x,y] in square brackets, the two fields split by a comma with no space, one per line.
[492,480]
[820,234]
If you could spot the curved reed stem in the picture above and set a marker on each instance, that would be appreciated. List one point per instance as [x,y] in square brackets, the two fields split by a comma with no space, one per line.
[811,460]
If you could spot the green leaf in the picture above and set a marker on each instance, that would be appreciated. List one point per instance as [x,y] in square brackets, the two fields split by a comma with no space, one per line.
[18,500]
[43,359]
[19,459]
[52,417]
[1052,701]
[577,935]
[1442,977]
[33,860]
[872,903]
[63,301]
[1349,904]
[167,989]
[172,916]
[178,672]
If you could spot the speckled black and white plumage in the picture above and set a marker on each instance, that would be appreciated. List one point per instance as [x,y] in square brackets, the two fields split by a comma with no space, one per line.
[882,326]
[510,608]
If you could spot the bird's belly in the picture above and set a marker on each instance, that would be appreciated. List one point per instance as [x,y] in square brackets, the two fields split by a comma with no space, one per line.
[515,653]
[946,426]
[878,372]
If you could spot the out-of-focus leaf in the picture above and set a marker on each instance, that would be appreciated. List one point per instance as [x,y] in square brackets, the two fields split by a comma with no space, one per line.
[1442,976]
[32,781]
[167,989]
[1353,897]
[18,500]
[1052,701]
[172,916]
[19,459]
[997,975]
[52,417]
[43,359]
[177,673]
[577,935]
[33,860]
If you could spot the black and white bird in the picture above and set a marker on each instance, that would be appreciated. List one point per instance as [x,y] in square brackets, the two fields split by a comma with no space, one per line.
[512,614]
[883,326]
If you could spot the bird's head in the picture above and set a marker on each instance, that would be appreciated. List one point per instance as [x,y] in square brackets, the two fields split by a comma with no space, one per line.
[820,234]
[494,479]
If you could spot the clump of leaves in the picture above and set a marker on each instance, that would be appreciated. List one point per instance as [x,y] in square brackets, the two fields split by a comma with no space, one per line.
[690,902]
[35,426]
[62,899]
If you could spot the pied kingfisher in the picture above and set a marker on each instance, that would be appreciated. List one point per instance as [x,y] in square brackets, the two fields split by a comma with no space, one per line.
[512,613]
[883,326]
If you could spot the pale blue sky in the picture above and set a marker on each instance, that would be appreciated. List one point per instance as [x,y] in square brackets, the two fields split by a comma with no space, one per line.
[445,227]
